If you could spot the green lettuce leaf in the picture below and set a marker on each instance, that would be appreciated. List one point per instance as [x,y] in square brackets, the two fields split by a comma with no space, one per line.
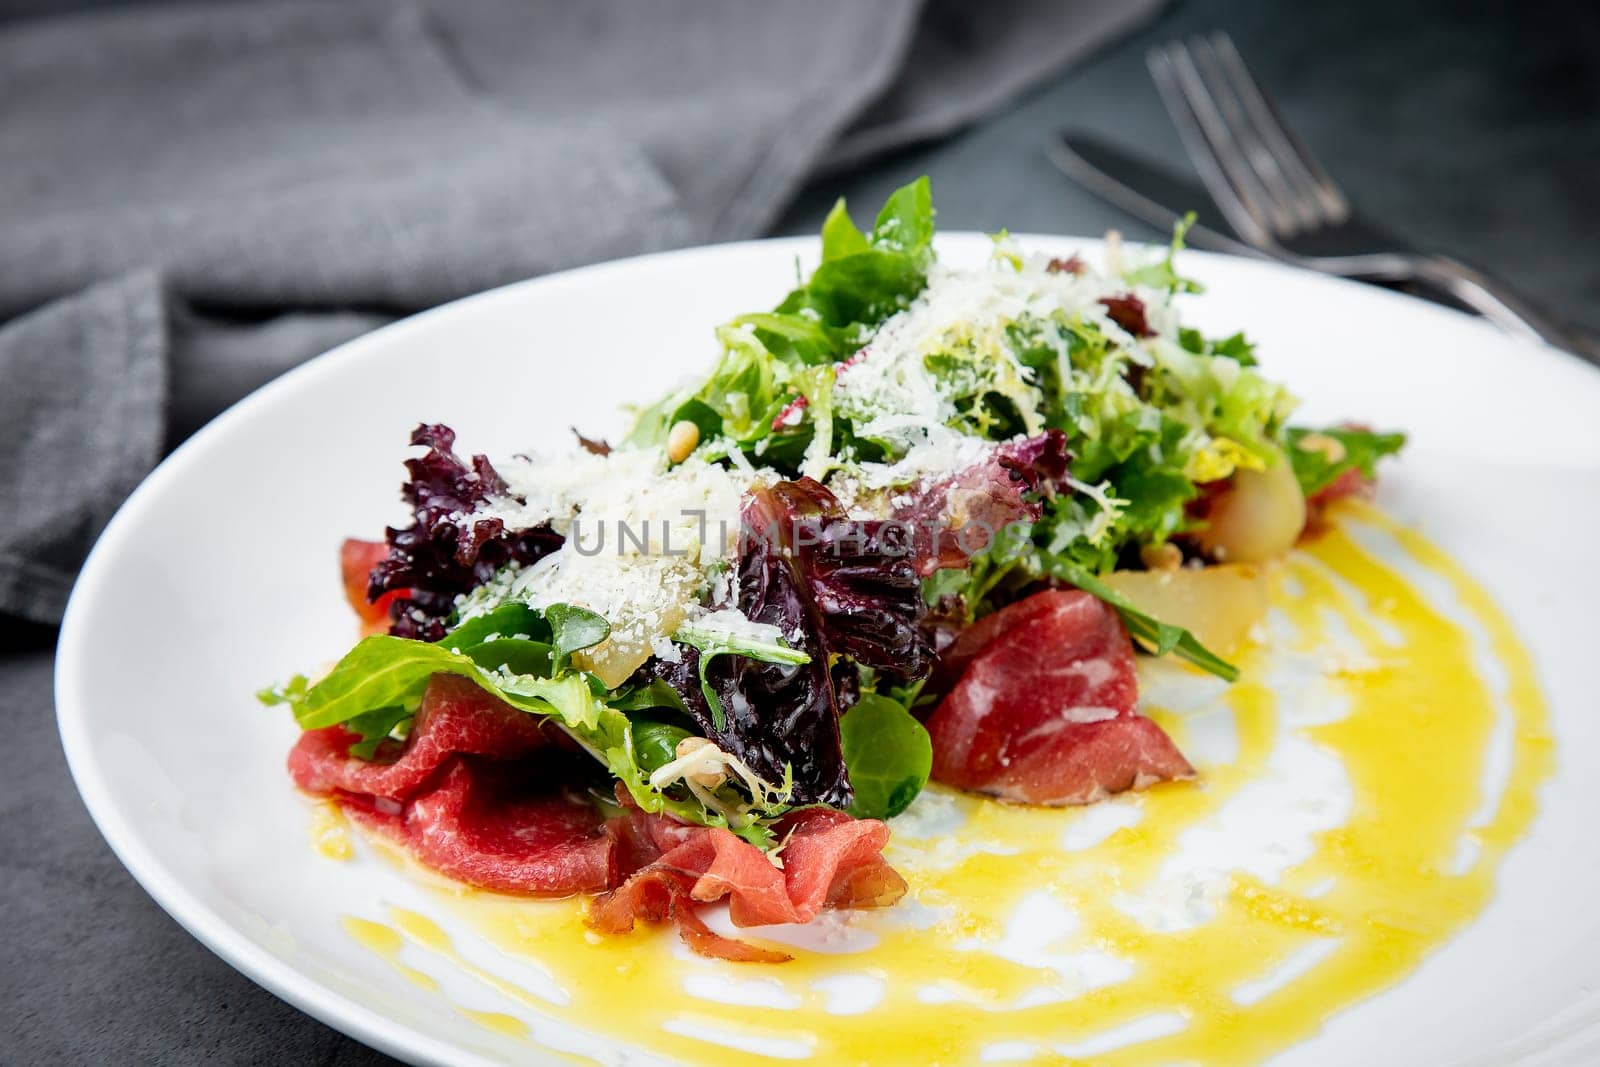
[1162,637]
[865,278]
[1316,470]
[561,629]
[1163,273]
[1235,346]
[713,642]
[375,689]
[888,755]
[376,727]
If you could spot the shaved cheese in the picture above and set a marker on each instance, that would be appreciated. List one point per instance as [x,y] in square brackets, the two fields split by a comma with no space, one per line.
[646,544]
[888,389]
[890,393]
[735,625]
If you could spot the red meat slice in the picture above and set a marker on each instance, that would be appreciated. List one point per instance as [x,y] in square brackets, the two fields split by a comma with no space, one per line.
[955,659]
[456,716]
[1044,708]
[478,827]
[829,860]
[356,560]
[471,795]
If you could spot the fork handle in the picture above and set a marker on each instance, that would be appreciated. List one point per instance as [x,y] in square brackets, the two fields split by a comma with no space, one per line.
[1495,301]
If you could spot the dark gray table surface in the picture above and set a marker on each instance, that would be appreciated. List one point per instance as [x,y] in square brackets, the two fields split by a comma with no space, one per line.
[1472,130]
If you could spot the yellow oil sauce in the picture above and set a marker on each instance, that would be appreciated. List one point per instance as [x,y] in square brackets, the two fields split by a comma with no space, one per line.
[1218,921]
[330,831]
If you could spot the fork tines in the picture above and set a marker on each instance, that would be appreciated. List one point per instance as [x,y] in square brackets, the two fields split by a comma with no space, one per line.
[1260,174]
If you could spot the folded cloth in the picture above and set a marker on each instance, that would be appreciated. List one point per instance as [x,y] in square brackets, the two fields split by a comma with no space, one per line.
[198,196]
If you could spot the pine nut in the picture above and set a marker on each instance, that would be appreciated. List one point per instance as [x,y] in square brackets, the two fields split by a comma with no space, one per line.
[681,440]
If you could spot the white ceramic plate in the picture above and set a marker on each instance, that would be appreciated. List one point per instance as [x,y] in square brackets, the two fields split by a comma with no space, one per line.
[218,576]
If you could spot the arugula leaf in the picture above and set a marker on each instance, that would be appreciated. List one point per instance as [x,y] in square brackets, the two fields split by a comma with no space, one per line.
[497,650]
[290,692]
[1316,468]
[384,672]
[888,755]
[526,640]
[573,628]
[905,223]
[657,694]
[713,641]
[840,236]
[512,619]
[380,672]
[865,279]
[515,656]
[1235,346]
[1163,637]
[655,744]
[612,740]
[375,727]
[770,358]
[794,338]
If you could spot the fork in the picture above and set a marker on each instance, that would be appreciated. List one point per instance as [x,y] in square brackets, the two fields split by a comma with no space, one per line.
[1280,200]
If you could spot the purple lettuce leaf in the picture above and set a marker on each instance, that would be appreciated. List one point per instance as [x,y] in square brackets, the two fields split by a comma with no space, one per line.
[834,587]
[1128,312]
[444,552]
[953,519]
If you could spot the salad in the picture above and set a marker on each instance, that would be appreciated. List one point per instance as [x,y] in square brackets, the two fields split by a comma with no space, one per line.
[915,522]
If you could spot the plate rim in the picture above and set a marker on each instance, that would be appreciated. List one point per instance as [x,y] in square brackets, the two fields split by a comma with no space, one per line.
[207,925]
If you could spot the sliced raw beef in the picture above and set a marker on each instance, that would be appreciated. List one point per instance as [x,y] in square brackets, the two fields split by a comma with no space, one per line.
[480,825]
[1043,707]
[829,860]
[496,822]
[455,716]
[356,560]
[475,794]
[955,659]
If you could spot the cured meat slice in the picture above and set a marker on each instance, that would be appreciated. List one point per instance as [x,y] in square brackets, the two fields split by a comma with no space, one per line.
[829,860]
[480,825]
[1085,762]
[356,560]
[455,716]
[474,793]
[833,860]
[496,825]
[1043,710]
[955,659]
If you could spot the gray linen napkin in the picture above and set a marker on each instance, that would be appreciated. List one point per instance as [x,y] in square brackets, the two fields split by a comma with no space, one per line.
[195,197]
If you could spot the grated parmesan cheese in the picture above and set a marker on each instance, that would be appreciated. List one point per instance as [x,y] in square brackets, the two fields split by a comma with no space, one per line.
[646,544]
